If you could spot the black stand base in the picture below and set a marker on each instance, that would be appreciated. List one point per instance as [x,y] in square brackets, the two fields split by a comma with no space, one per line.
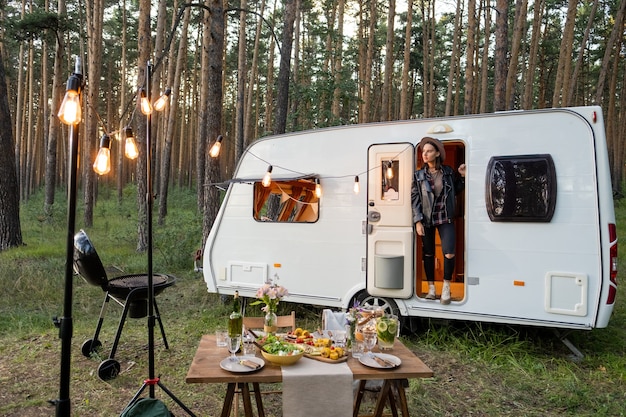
[151,383]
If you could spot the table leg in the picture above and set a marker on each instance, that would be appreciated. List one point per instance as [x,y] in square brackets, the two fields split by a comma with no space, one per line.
[382,398]
[358,398]
[259,400]
[245,395]
[228,400]
[404,408]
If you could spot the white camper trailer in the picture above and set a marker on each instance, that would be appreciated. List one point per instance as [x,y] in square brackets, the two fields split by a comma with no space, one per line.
[536,236]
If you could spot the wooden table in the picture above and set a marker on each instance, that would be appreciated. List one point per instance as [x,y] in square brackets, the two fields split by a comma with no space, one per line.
[205,368]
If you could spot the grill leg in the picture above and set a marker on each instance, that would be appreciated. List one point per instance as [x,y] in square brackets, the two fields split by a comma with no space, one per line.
[101,318]
[119,329]
[158,317]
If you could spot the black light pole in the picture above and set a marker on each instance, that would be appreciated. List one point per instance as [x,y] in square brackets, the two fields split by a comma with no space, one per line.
[69,113]
[152,379]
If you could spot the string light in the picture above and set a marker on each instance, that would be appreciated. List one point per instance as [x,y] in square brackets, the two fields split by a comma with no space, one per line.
[318,188]
[146,107]
[70,111]
[130,146]
[215,149]
[162,101]
[267,178]
[357,188]
[102,164]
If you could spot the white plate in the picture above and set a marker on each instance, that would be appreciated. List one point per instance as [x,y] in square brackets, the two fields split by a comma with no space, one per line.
[232,366]
[367,360]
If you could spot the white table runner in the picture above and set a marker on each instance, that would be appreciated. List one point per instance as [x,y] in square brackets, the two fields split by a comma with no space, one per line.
[312,387]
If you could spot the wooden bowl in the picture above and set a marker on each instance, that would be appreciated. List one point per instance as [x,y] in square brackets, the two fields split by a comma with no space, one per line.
[282,360]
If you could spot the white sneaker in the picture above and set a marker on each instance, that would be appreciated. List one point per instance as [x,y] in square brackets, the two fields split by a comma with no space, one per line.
[431,292]
[445,293]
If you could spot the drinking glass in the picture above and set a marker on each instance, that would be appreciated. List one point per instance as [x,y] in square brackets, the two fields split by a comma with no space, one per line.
[369,340]
[233,346]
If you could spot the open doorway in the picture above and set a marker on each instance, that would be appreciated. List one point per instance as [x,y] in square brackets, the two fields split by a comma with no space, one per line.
[455,156]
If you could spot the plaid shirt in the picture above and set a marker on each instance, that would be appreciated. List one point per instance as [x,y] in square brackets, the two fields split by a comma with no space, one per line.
[440,214]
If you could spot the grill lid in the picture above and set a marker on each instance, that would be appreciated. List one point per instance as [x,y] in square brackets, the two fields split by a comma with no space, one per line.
[87,262]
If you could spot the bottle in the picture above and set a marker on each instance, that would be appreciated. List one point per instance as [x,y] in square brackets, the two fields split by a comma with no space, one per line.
[235,320]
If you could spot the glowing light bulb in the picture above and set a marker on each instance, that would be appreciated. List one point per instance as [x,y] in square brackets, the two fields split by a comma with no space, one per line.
[146,107]
[102,164]
[70,112]
[267,178]
[215,149]
[130,146]
[357,187]
[162,101]
[318,188]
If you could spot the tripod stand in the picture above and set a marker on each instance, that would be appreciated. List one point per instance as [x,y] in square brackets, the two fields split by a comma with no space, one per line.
[152,381]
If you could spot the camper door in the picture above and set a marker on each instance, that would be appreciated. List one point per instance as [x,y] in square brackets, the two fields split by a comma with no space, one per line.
[389,220]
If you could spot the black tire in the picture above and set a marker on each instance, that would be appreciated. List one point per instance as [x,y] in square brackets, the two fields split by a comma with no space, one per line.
[90,347]
[109,369]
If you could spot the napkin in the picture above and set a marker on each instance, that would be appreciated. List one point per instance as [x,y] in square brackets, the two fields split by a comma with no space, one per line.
[312,387]
[333,320]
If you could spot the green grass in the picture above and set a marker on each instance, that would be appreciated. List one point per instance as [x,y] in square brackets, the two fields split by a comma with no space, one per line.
[480,369]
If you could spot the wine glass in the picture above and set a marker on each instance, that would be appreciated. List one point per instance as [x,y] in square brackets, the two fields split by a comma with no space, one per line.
[369,340]
[233,346]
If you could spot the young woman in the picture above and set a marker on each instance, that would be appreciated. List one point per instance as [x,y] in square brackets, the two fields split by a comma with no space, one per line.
[433,193]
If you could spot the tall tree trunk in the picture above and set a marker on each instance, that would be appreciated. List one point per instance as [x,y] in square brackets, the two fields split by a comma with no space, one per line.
[581,53]
[426,65]
[269,99]
[618,30]
[518,32]
[249,121]
[472,23]
[484,68]
[175,81]
[389,58]
[337,66]
[54,129]
[121,171]
[94,13]
[405,110]
[10,227]
[282,99]
[528,99]
[501,61]
[454,57]
[212,110]
[144,40]
[561,86]
[241,84]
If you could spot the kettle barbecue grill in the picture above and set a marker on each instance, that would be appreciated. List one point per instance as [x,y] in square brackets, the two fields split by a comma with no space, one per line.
[129,291]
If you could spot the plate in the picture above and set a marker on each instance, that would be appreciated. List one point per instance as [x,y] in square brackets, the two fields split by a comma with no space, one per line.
[368,360]
[232,366]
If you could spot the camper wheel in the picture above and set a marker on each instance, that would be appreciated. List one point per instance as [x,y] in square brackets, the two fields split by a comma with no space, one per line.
[388,305]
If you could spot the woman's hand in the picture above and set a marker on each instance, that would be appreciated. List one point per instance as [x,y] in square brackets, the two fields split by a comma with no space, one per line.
[419,228]
[462,169]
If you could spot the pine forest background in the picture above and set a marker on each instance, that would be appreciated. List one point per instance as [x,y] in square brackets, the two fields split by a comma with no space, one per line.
[246,69]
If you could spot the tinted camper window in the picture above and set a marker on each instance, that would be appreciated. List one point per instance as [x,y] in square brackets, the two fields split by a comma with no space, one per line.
[521,188]
[291,200]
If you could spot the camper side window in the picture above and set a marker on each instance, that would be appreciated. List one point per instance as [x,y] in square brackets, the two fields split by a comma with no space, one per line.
[291,201]
[521,188]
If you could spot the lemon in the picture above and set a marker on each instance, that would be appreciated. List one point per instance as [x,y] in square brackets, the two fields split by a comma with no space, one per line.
[392,327]
[382,326]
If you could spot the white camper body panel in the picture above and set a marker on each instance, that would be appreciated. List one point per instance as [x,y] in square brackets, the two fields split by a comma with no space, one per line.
[552,273]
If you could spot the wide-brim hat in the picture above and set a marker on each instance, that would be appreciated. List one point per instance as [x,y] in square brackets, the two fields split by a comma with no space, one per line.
[436,143]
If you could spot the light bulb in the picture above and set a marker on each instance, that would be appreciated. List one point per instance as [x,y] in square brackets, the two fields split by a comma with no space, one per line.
[389,170]
[215,149]
[70,111]
[130,147]
[146,107]
[102,164]
[318,188]
[357,188]
[162,101]
[267,179]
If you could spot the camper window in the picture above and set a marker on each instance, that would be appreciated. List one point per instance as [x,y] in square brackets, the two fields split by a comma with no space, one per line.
[291,200]
[521,188]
